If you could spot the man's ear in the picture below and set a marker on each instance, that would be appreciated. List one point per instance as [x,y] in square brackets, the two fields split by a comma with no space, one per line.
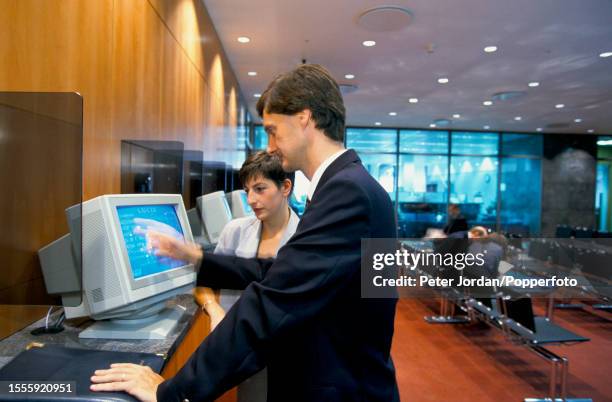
[304,118]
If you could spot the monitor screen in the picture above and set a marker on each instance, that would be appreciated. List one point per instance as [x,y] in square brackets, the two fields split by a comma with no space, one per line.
[134,220]
[245,202]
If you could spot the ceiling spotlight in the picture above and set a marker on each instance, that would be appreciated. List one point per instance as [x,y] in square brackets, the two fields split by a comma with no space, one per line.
[539,129]
[349,76]
[577,120]
[369,43]
[518,118]
[605,54]
[413,100]
[487,103]
[533,84]
[486,127]
[590,131]
[442,80]
[258,95]
[244,39]
[490,49]
[377,123]
[252,73]
[432,125]
[456,116]
[559,106]
[392,114]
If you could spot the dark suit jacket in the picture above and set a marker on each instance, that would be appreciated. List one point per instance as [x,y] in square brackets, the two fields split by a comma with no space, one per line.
[458,224]
[302,315]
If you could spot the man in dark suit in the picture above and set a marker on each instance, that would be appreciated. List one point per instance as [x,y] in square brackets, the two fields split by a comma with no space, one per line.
[456,221]
[301,315]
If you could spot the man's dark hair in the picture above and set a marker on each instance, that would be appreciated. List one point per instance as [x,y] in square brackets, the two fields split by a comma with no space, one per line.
[310,86]
[265,165]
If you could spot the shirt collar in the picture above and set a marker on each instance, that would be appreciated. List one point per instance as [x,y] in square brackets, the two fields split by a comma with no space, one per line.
[319,172]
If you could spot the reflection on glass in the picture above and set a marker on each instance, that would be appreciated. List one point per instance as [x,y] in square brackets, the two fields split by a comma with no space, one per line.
[261,138]
[383,168]
[151,166]
[520,196]
[424,142]
[474,143]
[422,193]
[371,139]
[522,144]
[300,192]
[602,194]
[474,187]
[41,140]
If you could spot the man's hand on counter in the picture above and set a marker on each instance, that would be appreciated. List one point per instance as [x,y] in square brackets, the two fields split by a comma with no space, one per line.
[138,381]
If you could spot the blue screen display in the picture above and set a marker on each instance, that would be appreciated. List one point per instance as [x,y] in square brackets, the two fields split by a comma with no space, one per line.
[135,220]
[245,202]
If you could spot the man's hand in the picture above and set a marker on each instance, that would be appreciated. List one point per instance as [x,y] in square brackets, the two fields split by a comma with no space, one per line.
[168,246]
[138,381]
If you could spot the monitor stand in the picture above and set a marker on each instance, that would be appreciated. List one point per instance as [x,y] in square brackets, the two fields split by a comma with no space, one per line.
[155,326]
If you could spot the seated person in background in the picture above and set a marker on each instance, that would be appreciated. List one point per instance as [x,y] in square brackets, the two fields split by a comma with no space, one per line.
[268,188]
[456,221]
[488,244]
[478,232]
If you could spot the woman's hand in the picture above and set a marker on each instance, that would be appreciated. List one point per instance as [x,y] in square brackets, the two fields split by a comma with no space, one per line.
[138,381]
[205,297]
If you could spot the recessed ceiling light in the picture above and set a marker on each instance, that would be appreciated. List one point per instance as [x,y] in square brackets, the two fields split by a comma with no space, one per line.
[369,43]
[590,131]
[392,114]
[486,127]
[534,84]
[244,39]
[456,116]
[432,125]
[442,80]
[413,100]
[605,54]
[490,49]
[518,118]
[577,120]
[257,95]
[349,76]
[252,73]
[487,103]
[377,123]
[539,129]
[559,106]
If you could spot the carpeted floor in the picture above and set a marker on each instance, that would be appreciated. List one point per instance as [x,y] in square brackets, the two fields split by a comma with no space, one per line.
[437,362]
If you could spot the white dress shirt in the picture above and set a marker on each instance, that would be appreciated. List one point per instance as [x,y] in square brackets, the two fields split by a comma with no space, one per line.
[319,172]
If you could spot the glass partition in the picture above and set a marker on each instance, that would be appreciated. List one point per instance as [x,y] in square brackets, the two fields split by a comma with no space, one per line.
[41,143]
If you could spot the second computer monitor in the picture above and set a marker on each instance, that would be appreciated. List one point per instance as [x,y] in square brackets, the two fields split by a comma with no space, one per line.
[239,204]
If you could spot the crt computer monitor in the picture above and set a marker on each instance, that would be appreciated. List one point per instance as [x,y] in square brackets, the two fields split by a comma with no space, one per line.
[239,205]
[125,286]
[214,213]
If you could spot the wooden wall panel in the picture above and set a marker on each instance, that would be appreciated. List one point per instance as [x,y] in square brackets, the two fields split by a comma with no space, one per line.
[148,70]
[62,46]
